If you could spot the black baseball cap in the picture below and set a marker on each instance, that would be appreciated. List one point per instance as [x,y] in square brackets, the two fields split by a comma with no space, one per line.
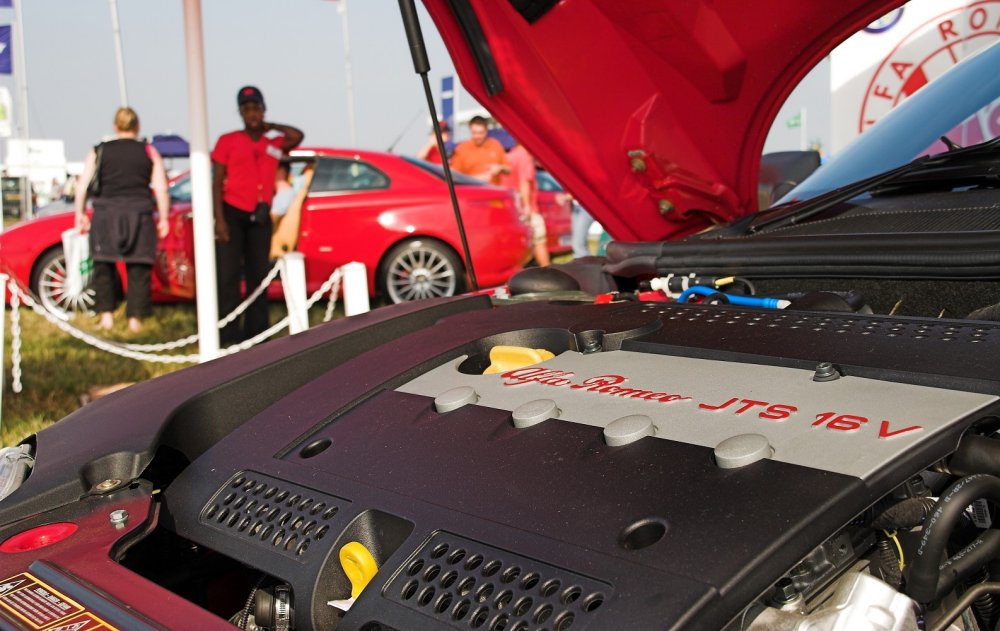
[249,94]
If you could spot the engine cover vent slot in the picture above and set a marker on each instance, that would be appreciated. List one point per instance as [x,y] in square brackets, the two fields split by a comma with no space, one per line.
[470,585]
[272,513]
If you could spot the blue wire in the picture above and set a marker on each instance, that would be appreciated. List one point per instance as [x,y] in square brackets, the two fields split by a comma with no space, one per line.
[743,301]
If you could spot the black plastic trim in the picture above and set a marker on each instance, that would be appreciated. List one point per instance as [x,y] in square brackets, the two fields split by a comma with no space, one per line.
[533,10]
[478,46]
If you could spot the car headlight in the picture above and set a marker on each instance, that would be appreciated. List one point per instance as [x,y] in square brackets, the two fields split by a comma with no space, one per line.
[15,463]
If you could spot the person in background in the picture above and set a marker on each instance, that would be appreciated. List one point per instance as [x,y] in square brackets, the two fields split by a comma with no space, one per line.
[429,151]
[284,193]
[122,227]
[523,179]
[69,188]
[245,163]
[581,220]
[480,156]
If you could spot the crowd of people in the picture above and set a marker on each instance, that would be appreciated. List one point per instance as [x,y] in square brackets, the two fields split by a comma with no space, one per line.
[485,158]
[120,174]
[252,190]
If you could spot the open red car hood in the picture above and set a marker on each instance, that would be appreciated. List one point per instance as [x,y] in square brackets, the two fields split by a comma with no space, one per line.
[652,112]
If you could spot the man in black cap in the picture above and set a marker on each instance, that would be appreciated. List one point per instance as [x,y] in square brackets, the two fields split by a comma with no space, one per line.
[429,152]
[245,163]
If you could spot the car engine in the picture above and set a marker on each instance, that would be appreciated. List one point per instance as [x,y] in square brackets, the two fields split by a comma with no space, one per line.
[559,464]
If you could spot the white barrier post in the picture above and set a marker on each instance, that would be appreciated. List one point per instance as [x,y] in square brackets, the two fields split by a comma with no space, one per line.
[355,288]
[293,283]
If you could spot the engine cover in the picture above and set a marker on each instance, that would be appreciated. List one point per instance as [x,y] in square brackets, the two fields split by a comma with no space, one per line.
[663,469]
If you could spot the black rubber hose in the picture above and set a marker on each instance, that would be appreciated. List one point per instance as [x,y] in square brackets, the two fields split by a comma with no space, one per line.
[245,612]
[975,454]
[632,267]
[966,601]
[927,579]
[902,515]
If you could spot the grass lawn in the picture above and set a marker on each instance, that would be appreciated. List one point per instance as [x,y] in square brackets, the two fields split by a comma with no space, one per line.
[59,371]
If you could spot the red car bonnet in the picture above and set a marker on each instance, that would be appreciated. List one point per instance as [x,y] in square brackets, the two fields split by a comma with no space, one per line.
[652,112]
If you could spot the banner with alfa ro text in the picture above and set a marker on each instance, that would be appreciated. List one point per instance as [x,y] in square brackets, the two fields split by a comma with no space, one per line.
[895,56]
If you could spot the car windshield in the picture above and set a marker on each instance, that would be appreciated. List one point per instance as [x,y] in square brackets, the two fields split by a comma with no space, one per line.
[438,171]
[180,189]
[963,104]
[547,183]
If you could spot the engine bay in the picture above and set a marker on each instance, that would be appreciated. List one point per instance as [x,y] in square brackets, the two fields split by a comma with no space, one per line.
[692,458]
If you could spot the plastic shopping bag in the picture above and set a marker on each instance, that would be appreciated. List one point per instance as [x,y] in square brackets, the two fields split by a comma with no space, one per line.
[79,265]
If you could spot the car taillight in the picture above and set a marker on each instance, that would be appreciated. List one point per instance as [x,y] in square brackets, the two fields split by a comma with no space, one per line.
[38,537]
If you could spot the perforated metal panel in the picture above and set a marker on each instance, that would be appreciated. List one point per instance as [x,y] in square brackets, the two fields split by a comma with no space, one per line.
[272,513]
[951,331]
[469,585]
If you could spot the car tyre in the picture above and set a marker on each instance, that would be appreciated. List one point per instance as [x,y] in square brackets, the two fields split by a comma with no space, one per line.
[421,268]
[47,282]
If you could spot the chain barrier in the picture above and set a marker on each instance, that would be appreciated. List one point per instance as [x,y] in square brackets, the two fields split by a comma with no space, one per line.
[15,339]
[237,312]
[331,285]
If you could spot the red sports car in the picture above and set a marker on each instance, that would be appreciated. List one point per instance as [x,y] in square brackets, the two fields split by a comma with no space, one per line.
[389,212]
[555,205]
[812,444]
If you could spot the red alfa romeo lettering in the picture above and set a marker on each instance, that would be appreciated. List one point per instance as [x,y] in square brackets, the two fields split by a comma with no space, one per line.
[603,384]
[595,384]
[546,376]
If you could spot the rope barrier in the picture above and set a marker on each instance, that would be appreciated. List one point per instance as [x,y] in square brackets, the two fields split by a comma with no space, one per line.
[139,352]
[237,312]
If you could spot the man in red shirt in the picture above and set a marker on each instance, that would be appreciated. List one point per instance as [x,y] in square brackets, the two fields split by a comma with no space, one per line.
[480,156]
[429,152]
[524,180]
[244,166]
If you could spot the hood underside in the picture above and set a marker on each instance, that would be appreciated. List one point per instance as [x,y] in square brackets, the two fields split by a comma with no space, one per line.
[653,113]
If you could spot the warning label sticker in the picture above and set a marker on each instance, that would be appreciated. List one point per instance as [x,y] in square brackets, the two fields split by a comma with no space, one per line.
[39,606]
[84,622]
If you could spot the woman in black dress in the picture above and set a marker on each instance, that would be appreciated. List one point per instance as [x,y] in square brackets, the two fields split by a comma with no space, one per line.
[131,175]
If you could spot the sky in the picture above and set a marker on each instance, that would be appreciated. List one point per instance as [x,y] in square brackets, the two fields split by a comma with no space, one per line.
[293,50]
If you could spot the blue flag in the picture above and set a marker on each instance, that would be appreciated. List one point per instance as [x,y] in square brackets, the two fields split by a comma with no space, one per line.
[4,49]
[5,3]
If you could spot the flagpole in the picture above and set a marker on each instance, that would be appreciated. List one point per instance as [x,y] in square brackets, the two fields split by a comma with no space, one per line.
[119,55]
[342,9]
[201,186]
[21,83]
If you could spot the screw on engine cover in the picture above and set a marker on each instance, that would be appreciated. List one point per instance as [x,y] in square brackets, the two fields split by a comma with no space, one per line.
[825,372]
[119,517]
[665,206]
[592,346]
[107,485]
[785,593]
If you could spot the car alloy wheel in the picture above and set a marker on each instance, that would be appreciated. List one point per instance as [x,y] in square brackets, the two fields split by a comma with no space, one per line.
[421,268]
[49,283]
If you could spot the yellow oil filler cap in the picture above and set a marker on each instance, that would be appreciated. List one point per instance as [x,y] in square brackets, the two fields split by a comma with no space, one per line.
[359,565]
[504,358]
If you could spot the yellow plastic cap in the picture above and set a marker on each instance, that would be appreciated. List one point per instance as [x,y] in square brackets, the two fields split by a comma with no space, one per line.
[504,358]
[359,565]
